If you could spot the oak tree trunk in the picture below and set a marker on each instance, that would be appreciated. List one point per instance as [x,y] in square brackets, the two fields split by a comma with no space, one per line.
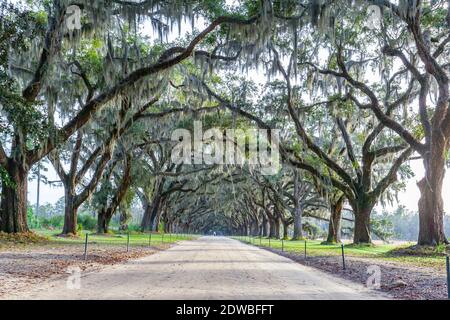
[361,232]
[102,221]
[156,216]
[431,204]
[275,228]
[298,232]
[334,226]
[272,228]
[70,212]
[124,217]
[255,228]
[265,229]
[285,230]
[13,215]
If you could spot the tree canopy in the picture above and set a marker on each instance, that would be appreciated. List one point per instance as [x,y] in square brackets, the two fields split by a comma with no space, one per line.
[346,101]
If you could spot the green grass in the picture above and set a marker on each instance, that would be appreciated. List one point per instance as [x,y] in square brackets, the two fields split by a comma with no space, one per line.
[401,254]
[136,239]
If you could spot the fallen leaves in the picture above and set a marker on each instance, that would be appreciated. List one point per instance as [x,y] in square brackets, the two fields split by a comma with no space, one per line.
[400,281]
[24,266]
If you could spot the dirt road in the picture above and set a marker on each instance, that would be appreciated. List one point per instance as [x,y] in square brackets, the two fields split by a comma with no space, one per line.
[208,268]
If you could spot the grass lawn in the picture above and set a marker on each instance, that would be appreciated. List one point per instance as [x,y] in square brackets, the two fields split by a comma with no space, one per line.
[399,253]
[136,239]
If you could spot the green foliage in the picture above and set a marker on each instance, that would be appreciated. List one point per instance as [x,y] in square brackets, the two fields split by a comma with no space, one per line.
[313,231]
[54,222]
[33,221]
[134,227]
[87,222]
[5,178]
[382,228]
[16,112]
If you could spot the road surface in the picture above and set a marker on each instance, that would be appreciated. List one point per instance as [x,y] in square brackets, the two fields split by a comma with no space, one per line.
[207,268]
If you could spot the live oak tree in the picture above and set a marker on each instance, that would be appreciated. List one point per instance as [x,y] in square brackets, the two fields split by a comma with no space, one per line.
[409,47]
[426,27]
[44,60]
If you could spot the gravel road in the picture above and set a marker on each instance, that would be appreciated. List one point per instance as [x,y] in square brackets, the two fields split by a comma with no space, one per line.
[207,268]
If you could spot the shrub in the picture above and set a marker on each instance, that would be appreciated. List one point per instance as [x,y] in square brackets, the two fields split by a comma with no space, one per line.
[53,222]
[32,219]
[87,222]
[134,227]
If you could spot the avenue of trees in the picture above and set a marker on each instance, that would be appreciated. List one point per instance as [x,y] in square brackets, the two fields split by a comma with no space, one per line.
[355,99]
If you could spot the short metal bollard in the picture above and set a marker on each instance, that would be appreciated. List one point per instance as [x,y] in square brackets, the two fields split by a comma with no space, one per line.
[282,245]
[150,239]
[128,241]
[305,248]
[269,242]
[162,238]
[343,256]
[85,246]
[447,258]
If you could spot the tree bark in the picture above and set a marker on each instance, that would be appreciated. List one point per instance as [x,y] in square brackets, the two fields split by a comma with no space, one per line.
[254,228]
[265,229]
[285,229]
[13,215]
[70,212]
[156,215]
[150,215]
[361,232]
[431,204]
[151,209]
[298,232]
[103,221]
[124,217]
[277,228]
[108,210]
[274,228]
[334,226]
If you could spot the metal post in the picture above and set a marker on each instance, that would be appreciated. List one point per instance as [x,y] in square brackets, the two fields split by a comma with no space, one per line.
[150,239]
[162,238]
[128,241]
[260,240]
[269,242]
[448,276]
[85,246]
[282,245]
[38,188]
[343,256]
[305,248]
[170,237]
